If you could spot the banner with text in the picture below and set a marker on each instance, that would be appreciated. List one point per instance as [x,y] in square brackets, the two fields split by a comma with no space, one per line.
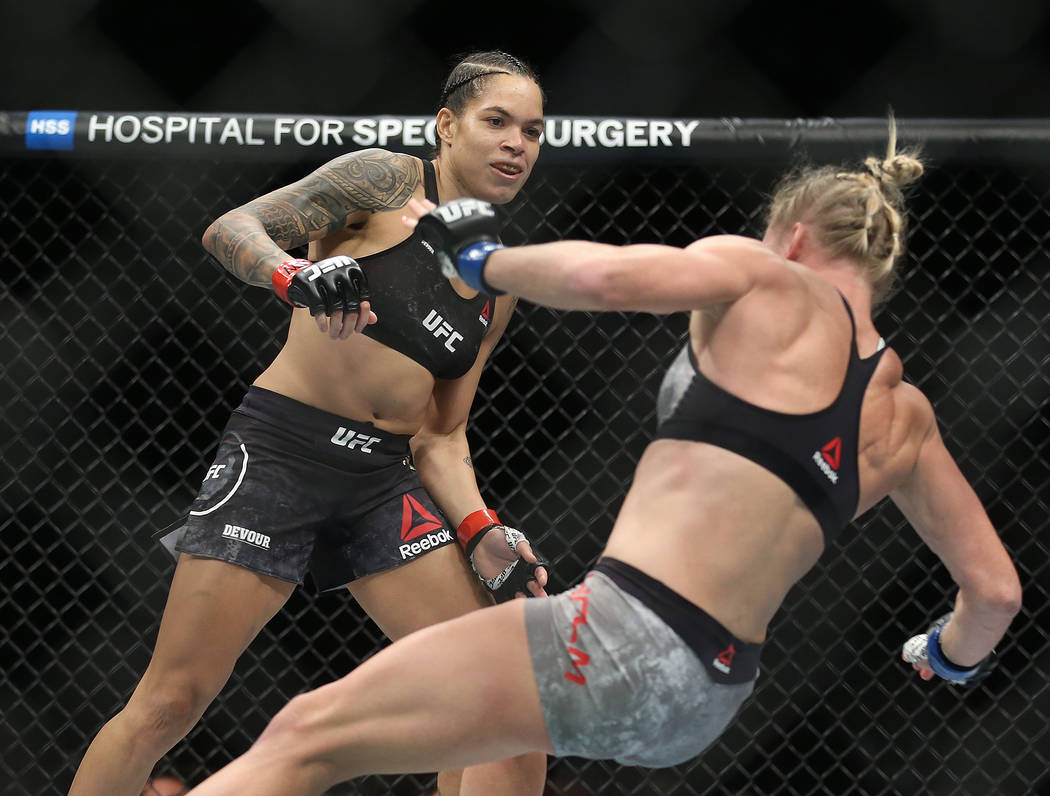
[565,138]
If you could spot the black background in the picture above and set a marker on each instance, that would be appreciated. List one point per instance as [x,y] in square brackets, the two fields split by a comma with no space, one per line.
[747,58]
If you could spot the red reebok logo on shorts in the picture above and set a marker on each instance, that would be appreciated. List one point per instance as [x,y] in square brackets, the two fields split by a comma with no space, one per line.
[724,661]
[832,453]
[416,520]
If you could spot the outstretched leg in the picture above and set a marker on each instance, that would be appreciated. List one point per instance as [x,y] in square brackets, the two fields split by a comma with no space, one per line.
[449,696]
[434,588]
[214,610]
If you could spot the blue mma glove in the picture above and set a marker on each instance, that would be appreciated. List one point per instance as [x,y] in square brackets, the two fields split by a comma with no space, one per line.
[463,233]
[927,647]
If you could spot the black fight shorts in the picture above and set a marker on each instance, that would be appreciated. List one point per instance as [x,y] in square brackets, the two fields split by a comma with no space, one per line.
[295,489]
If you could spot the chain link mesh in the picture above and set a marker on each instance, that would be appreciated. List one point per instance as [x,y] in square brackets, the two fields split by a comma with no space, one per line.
[123,349]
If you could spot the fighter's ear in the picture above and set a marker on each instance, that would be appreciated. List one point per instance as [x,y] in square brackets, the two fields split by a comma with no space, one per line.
[799,238]
[446,126]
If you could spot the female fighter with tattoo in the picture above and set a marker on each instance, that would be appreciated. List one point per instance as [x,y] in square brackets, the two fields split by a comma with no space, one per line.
[783,417]
[314,470]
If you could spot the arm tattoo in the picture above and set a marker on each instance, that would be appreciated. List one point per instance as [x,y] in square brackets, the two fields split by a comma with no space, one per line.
[244,250]
[250,241]
[467,461]
[374,180]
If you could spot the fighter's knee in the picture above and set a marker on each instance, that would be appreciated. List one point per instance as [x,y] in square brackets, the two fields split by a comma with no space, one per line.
[294,719]
[531,772]
[168,711]
[524,775]
[295,737]
[449,783]
[284,726]
[296,729]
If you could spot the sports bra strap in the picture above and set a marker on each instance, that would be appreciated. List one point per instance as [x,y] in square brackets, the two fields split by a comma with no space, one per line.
[430,185]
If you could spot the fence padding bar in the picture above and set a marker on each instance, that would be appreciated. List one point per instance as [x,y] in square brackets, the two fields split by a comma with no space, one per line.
[567,139]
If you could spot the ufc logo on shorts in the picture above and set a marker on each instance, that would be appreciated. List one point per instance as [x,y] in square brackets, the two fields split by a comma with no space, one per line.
[453,211]
[351,440]
[215,471]
[441,328]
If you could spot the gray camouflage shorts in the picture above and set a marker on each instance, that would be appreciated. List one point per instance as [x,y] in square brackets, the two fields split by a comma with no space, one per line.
[617,683]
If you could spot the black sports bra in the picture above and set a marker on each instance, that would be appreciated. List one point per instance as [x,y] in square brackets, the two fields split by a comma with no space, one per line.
[815,454]
[419,313]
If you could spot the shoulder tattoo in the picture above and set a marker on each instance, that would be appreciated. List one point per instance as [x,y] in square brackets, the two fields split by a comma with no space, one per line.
[322,201]
[374,179]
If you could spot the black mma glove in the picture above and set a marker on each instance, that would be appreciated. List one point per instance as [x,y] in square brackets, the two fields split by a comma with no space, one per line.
[518,573]
[927,647]
[463,233]
[324,287]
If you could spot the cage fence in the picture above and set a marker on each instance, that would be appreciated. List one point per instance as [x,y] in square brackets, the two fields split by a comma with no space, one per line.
[123,348]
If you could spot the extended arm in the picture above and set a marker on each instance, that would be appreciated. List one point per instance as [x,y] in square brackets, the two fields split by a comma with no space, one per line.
[940,504]
[582,275]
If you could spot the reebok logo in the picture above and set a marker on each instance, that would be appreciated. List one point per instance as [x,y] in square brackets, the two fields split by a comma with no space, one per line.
[832,452]
[828,459]
[442,328]
[416,520]
[255,539]
[428,542]
[349,439]
[418,523]
[486,313]
[724,661]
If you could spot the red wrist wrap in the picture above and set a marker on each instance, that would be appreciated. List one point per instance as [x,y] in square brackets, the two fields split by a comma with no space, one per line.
[282,277]
[473,524]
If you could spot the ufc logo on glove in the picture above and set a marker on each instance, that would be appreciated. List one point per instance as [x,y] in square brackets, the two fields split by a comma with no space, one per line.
[316,269]
[453,211]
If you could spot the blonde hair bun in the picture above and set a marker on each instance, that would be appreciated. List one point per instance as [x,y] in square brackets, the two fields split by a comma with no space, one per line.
[899,169]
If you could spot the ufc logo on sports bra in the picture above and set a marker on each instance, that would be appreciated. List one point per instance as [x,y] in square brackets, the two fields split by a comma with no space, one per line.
[441,328]
[454,211]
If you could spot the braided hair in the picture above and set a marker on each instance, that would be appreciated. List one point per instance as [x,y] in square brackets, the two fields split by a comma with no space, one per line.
[468,78]
[855,214]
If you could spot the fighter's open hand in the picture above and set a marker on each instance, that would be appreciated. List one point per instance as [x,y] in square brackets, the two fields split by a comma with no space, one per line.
[340,325]
[507,564]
